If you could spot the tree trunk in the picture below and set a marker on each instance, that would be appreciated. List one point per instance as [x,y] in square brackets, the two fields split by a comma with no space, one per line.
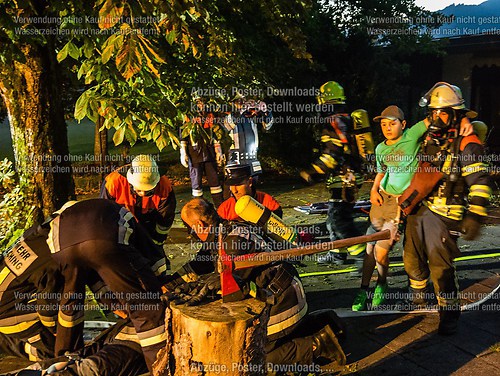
[101,146]
[39,136]
[216,339]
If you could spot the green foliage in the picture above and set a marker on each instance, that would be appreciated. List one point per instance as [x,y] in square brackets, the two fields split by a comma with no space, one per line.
[14,212]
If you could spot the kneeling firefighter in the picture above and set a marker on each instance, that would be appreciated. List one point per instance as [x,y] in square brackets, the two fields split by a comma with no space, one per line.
[340,159]
[447,197]
[277,284]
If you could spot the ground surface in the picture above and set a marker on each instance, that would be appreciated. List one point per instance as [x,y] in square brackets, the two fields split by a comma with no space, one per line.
[384,344]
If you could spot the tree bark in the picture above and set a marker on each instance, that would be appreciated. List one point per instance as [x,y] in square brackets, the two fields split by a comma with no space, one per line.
[216,339]
[100,146]
[29,88]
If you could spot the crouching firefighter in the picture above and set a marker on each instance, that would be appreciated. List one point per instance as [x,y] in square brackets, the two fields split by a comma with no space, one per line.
[289,339]
[447,197]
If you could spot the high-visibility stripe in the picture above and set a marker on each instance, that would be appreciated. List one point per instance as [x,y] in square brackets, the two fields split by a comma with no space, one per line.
[291,316]
[19,319]
[473,168]
[70,321]
[197,192]
[124,229]
[215,190]
[328,160]
[48,321]
[356,250]
[31,352]
[480,191]
[454,212]
[162,230]
[53,237]
[160,267]
[419,285]
[318,169]
[34,339]
[153,336]
[18,328]
[276,328]
[479,210]
[128,333]
[4,274]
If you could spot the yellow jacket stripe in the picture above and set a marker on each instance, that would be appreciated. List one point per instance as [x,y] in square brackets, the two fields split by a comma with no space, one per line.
[454,212]
[162,230]
[4,274]
[70,321]
[479,210]
[18,328]
[473,168]
[478,190]
[419,285]
[47,321]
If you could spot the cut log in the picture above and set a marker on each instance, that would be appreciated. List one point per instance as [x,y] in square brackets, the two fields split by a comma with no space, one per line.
[216,339]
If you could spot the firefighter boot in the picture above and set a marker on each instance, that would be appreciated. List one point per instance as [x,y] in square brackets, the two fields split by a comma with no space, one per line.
[326,345]
[448,320]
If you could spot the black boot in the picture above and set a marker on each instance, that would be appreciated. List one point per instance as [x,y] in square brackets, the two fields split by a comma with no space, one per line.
[448,320]
[327,346]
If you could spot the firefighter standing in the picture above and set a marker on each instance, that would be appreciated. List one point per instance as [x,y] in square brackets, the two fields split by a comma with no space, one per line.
[147,195]
[277,284]
[201,152]
[455,204]
[340,162]
[241,124]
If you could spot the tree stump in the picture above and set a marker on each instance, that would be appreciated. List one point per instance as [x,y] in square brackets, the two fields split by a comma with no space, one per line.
[216,339]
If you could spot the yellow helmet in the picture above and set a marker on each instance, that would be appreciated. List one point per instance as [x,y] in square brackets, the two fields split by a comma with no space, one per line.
[331,92]
[444,95]
[143,173]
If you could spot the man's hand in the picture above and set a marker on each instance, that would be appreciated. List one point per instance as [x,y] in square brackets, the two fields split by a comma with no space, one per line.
[219,155]
[208,285]
[184,157]
[466,127]
[376,198]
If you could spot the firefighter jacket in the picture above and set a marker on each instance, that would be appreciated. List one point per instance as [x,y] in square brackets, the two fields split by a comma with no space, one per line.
[99,239]
[465,185]
[278,284]
[243,131]
[156,213]
[226,209]
[30,286]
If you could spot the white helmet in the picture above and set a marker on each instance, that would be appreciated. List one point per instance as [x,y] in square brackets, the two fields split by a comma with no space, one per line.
[143,173]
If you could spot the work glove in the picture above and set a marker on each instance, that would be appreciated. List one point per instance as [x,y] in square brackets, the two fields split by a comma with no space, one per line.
[207,286]
[184,157]
[471,226]
[219,155]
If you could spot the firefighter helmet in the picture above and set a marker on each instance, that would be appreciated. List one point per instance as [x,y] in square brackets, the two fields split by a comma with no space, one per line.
[444,95]
[331,92]
[143,173]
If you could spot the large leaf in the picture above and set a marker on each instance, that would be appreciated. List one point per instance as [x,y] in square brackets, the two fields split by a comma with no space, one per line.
[119,135]
[81,106]
[110,14]
[129,61]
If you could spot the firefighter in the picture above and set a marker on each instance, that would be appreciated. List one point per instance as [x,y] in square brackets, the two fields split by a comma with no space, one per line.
[340,162]
[30,284]
[454,202]
[277,284]
[240,182]
[241,124]
[201,152]
[147,195]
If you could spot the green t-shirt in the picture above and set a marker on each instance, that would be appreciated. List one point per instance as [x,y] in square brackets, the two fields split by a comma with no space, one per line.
[398,161]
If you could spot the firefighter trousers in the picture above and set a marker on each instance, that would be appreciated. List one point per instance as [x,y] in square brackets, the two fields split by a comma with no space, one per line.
[429,251]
